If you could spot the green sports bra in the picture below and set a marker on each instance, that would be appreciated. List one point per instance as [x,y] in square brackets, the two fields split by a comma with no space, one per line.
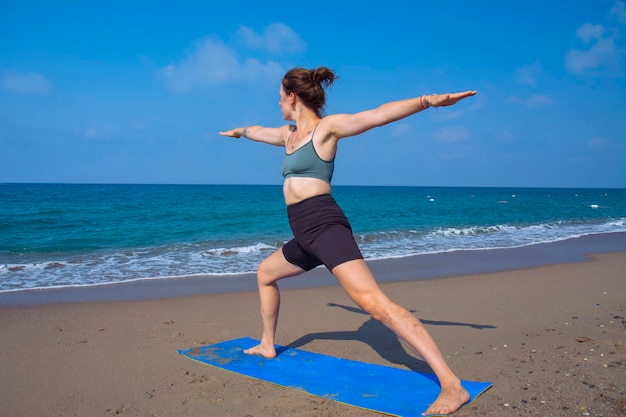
[305,162]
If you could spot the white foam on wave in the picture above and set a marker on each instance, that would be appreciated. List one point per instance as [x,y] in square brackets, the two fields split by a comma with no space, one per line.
[184,260]
[150,263]
[414,242]
[259,247]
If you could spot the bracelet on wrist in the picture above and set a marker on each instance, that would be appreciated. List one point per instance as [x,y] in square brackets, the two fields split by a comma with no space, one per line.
[422,103]
[430,101]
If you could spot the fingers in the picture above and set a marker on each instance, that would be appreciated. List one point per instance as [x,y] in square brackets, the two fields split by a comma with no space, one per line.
[230,133]
[450,99]
[466,94]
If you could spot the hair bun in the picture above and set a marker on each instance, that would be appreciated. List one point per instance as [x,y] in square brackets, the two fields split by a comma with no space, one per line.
[314,76]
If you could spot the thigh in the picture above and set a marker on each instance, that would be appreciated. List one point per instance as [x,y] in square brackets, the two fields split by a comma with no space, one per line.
[359,283]
[276,267]
[295,254]
[335,246]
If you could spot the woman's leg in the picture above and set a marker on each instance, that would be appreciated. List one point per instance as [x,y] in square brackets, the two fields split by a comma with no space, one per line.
[272,269]
[357,280]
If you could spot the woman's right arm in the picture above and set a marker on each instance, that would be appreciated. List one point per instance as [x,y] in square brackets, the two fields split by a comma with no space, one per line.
[272,135]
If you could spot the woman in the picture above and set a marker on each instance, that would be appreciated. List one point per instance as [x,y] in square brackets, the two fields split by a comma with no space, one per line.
[322,234]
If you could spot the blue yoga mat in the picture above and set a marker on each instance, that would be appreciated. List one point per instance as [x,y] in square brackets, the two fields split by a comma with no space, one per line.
[383,389]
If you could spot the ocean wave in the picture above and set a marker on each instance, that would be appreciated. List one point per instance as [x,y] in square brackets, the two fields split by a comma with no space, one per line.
[186,259]
[416,242]
[157,262]
[259,247]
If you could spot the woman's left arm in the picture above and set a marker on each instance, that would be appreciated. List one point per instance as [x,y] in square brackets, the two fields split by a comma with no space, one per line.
[345,125]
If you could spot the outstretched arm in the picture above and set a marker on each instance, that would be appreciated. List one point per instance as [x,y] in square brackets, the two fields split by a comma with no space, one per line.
[345,125]
[271,135]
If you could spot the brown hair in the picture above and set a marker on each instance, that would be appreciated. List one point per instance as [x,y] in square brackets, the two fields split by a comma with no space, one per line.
[309,86]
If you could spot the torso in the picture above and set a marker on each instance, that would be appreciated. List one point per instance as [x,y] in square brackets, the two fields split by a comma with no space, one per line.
[296,189]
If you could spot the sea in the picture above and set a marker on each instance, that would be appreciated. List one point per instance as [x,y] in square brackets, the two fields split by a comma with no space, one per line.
[70,235]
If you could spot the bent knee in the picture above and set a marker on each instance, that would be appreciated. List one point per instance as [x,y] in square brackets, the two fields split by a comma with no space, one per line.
[271,270]
[264,272]
[376,309]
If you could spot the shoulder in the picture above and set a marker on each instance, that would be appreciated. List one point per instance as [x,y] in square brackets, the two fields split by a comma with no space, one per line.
[329,126]
[286,131]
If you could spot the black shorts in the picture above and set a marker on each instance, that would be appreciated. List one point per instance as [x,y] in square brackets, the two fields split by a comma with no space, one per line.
[322,234]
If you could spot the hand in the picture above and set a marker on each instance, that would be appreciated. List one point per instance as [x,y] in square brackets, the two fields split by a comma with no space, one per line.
[235,133]
[441,100]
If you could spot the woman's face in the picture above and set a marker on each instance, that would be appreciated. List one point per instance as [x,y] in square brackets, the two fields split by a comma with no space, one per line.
[285,104]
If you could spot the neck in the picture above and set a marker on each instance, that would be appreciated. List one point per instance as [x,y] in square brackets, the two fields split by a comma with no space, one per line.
[305,118]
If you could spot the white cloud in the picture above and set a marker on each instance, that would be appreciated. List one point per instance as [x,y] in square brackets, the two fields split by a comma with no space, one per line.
[276,38]
[27,83]
[601,54]
[619,11]
[211,63]
[589,32]
[528,74]
[451,134]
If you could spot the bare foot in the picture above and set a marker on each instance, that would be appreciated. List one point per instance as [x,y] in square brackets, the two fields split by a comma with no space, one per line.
[448,402]
[268,352]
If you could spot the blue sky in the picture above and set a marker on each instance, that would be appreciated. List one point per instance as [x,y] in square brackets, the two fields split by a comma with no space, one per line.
[137,91]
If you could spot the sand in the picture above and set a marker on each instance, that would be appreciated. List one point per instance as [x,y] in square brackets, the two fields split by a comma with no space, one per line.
[551,338]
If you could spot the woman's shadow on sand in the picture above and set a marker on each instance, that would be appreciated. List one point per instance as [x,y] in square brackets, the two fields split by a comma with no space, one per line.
[380,338]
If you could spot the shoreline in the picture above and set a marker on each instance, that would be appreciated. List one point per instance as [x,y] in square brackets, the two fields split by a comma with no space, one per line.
[418,267]
[550,338]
